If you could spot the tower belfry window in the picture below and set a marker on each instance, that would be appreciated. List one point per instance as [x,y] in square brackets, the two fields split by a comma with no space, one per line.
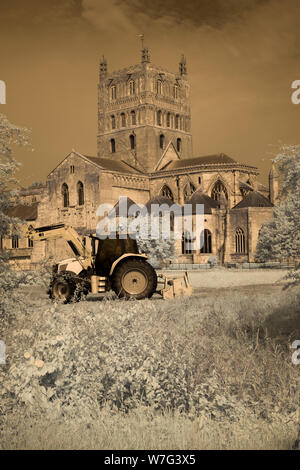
[113,92]
[161,141]
[132,87]
[159,118]
[177,121]
[159,87]
[132,141]
[133,118]
[175,91]
[168,119]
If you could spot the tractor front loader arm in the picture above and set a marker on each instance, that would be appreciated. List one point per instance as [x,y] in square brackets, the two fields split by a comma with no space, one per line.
[53,232]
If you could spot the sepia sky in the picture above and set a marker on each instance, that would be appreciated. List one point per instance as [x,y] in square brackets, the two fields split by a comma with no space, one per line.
[242,56]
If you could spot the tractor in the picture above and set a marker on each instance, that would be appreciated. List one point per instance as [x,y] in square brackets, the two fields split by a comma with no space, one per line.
[103,265]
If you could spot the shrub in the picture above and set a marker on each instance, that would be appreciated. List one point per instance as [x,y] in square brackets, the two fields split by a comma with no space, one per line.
[190,356]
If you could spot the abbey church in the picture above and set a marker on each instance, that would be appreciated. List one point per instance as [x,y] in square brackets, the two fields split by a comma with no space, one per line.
[145,152]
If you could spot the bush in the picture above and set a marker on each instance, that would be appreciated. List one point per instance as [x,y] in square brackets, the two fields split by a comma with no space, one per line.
[191,356]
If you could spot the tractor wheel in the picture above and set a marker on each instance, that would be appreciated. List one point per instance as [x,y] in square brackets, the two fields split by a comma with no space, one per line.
[134,278]
[65,288]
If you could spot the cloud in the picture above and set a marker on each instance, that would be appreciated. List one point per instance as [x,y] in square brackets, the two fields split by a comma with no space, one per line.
[258,30]
[242,57]
[110,17]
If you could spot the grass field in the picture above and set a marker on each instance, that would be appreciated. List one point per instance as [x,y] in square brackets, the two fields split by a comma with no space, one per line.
[212,371]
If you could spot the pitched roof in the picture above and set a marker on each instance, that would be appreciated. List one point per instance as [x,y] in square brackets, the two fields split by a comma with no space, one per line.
[217,159]
[169,155]
[127,202]
[112,165]
[198,197]
[262,187]
[159,200]
[254,199]
[24,212]
[244,185]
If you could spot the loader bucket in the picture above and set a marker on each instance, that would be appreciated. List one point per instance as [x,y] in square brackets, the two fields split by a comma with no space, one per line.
[175,287]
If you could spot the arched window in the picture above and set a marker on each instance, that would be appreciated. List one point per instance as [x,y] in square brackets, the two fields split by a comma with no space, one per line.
[168,119]
[123,120]
[178,145]
[186,244]
[159,87]
[166,192]
[205,241]
[113,122]
[133,118]
[65,195]
[177,121]
[159,118]
[175,91]
[80,193]
[113,145]
[161,141]
[240,243]
[30,242]
[219,191]
[113,92]
[132,87]
[199,179]
[132,141]
[188,190]
[15,241]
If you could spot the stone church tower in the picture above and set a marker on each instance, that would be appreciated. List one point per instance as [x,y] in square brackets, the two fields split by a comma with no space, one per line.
[140,110]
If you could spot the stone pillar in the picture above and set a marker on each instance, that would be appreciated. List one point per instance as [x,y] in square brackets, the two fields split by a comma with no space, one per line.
[249,241]
[227,237]
[180,191]
[273,185]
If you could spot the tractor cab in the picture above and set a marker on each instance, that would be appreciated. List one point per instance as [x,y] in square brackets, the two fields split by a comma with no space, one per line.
[105,252]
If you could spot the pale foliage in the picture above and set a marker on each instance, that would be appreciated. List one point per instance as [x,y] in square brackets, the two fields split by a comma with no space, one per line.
[280,238]
[202,358]
[10,136]
[161,251]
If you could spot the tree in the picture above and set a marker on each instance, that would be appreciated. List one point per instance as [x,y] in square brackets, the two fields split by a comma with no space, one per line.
[10,136]
[161,251]
[280,238]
